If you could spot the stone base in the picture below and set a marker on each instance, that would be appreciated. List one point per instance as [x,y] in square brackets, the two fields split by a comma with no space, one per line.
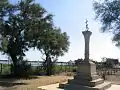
[102,86]
[92,83]
[86,79]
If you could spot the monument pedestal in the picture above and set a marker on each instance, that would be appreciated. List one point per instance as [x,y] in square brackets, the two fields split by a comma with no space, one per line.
[86,79]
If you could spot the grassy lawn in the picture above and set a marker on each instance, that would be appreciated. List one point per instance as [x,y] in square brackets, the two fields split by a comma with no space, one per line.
[5,69]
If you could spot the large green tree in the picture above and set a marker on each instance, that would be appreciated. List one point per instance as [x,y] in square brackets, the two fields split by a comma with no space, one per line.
[19,28]
[108,13]
[53,44]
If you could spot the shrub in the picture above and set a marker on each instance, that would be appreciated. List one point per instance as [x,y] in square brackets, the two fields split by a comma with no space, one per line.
[37,70]
[23,69]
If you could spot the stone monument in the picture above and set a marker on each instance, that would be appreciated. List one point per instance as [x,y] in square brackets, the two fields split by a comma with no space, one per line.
[86,77]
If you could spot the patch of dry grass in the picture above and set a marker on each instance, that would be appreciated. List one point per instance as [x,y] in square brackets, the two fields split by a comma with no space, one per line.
[31,84]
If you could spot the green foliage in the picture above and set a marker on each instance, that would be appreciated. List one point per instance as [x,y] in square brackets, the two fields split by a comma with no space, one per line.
[108,12]
[4,44]
[19,27]
[25,25]
[37,70]
[53,44]
[5,69]
[78,61]
[23,69]
[64,68]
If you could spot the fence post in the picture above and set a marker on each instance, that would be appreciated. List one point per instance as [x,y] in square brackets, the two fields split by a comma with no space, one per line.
[1,68]
[65,66]
[60,67]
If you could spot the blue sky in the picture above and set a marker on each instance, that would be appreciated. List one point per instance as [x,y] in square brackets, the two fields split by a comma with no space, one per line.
[70,16]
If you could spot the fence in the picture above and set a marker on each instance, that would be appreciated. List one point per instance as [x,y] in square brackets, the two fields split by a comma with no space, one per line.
[5,68]
[37,67]
[106,71]
[59,67]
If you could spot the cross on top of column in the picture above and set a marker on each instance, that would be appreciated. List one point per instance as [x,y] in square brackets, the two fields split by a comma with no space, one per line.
[87,25]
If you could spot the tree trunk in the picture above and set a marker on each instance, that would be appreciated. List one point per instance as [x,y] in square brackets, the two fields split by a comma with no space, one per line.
[14,66]
[49,65]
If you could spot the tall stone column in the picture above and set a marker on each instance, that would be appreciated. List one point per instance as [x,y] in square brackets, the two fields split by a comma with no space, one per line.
[86,77]
[87,35]
[86,68]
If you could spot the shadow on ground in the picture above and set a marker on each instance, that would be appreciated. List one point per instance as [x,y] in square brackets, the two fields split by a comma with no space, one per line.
[9,84]
[10,81]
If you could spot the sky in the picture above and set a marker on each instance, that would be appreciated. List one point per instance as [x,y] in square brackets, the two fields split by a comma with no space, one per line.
[70,16]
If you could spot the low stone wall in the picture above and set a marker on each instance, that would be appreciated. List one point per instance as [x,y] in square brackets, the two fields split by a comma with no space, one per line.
[115,79]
